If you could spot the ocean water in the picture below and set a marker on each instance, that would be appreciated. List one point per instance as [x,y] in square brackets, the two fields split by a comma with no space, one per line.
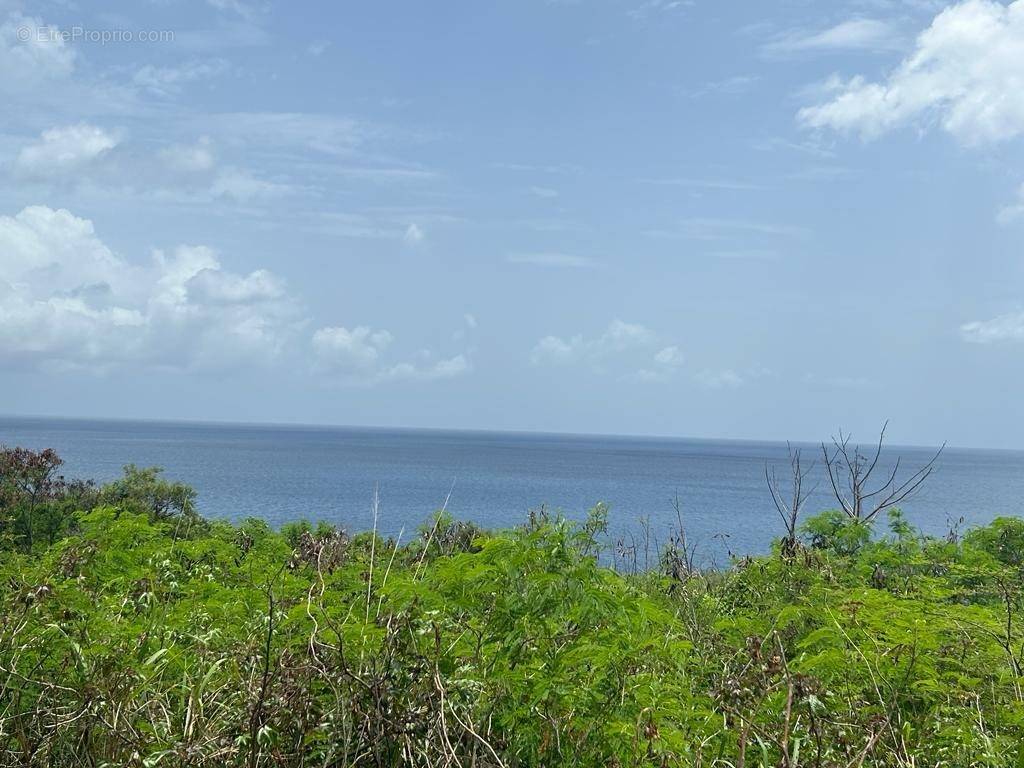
[283,473]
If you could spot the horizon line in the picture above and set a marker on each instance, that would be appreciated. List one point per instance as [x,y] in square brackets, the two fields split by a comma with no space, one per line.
[470,430]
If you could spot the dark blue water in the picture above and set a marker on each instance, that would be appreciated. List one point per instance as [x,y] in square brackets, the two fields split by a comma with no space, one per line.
[283,473]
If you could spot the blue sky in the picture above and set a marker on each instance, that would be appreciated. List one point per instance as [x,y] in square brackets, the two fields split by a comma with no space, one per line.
[762,220]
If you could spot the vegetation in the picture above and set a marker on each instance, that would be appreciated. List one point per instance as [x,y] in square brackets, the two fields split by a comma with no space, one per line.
[135,633]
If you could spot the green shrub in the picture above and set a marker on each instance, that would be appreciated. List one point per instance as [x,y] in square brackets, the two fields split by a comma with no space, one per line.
[836,531]
[1003,538]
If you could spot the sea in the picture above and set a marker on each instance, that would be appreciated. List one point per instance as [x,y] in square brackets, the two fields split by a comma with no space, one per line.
[285,473]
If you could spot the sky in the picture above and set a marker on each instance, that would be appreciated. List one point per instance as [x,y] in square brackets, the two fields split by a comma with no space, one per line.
[740,220]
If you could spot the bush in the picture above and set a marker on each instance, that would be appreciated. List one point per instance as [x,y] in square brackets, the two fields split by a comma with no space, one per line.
[836,531]
[143,490]
[1003,538]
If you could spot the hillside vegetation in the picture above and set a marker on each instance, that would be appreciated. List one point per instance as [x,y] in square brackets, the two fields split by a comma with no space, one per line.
[135,633]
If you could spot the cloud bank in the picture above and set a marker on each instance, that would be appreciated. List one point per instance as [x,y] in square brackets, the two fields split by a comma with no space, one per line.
[67,301]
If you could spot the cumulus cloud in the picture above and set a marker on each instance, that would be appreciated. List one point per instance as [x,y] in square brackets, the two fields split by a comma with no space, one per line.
[66,299]
[356,356]
[1008,327]
[631,347]
[214,286]
[554,349]
[355,351]
[966,73]
[663,364]
[64,149]
[447,368]
[619,337]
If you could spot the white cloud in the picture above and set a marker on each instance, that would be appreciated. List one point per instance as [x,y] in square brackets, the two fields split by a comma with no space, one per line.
[852,34]
[966,72]
[32,52]
[214,286]
[665,361]
[355,351]
[1008,327]
[356,357]
[1014,211]
[448,368]
[554,349]
[624,345]
[211,316]
[551,259]
[64,149]
[57,251]
[66,299]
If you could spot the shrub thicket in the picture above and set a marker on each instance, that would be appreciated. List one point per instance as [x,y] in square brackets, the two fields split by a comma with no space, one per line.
[134,633]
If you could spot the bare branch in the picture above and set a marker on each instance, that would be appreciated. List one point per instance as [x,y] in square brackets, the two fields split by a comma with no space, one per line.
[789,509]
[854,468]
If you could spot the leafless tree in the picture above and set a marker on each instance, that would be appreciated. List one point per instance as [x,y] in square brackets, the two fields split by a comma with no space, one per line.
[849,472]
[677,558]
[790,503]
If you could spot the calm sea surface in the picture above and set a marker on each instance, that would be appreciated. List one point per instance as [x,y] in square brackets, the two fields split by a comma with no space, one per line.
[283,473]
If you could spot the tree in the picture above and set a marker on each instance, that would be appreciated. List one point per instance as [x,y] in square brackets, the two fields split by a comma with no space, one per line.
[143,490]
[847,466]
[29,485]
[789,504]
